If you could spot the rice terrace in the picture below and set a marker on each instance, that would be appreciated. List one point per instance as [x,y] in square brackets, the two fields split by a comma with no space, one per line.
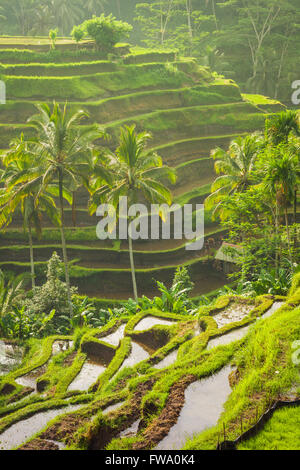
[172,324]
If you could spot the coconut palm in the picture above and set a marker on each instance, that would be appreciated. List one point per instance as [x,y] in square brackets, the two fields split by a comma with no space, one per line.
[66,14]
[11,291]
[95,7]
[281,167]
[282,125]
[20,191]
[134,172]
[65,149]
[234,168]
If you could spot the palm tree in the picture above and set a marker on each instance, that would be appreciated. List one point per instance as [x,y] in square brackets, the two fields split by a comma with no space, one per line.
[94,7]
[20,190]
[235,168]
[134,172]
[279,127]
[285,129]
[65,149]
[281,167]
[11,291]
[66,14]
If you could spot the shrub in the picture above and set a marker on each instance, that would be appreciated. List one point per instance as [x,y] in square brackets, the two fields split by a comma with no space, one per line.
[53,294]
[106,31]
[78,33]
[53,37]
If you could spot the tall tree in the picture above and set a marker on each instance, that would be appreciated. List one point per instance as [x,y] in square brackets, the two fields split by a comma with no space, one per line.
[135,172]
[66,151]
[21,190]
[235,168]
[281,167]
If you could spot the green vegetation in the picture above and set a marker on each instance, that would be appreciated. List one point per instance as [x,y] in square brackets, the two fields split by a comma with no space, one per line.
[280,433]
[115,332]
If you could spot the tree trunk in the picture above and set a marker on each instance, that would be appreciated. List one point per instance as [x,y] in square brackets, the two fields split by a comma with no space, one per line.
[189,21]
[63,241]
[295,219]
[132,267]
[288,233]
[31,256]
[214,13]
[277,240]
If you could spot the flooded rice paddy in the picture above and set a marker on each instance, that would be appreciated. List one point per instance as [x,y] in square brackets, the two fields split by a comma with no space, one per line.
[10,357]
[203,406]
[115,338]
[148,322]
[87,376]
[20,432]
[168,360]
[138,354]
[234,313]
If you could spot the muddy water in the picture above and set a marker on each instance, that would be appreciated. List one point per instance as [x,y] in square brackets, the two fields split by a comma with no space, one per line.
[20,432]
[10,357]
[61,346]
[168,360]
[137,355]
[132,430]
[234,335]
[114,407]
[203,406]
[235,313]
[29,380]
[87,376]
[115,338]
[238,334]
[276,306]
[149,322]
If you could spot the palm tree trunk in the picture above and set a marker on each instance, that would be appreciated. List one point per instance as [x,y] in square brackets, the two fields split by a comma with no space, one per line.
[277,240]
[132,267]
[31,256]
[63,241]
[295,219]
[288,233]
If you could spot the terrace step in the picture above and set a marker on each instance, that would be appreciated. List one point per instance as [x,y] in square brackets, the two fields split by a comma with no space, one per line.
[134,104]
[97,257]
[102,283]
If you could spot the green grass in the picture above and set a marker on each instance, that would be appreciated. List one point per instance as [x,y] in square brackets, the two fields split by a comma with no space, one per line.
[53,70]
[281,432]
[131,78]
[266,371]
[131,104]
[265,350]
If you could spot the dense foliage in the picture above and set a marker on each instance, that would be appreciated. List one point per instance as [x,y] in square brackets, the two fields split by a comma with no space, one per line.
[255,43]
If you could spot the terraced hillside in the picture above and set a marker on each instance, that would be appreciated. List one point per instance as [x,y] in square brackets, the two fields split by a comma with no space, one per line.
[156,380]
[188,109]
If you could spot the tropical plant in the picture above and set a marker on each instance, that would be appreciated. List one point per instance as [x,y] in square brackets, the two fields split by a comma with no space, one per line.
[176,299]
[235,168]
[135,172]
[21,188]
[53,295]
[106,31]
[85,314]
[11,292]
[279,127]
[77,34]
[53,36]
[66,13]
[281,167]
[65,149]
